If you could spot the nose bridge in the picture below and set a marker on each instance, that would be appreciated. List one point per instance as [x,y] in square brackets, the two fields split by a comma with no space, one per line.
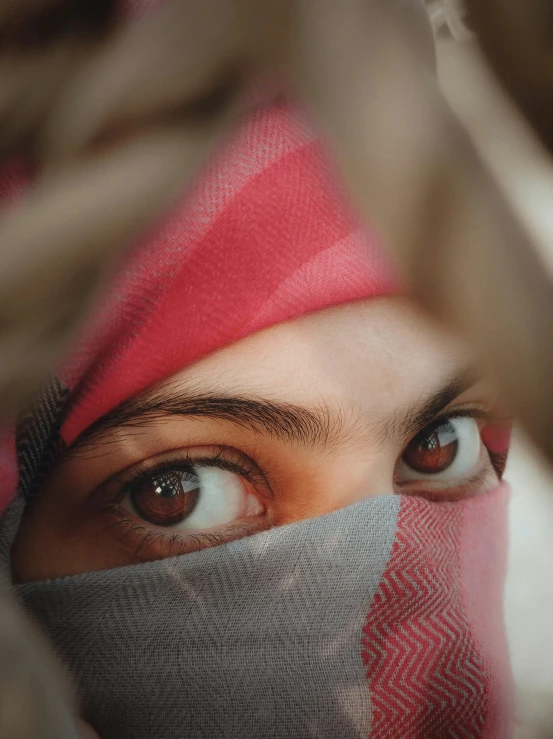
[346,477]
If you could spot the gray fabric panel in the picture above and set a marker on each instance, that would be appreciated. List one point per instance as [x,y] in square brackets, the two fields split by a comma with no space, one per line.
[37,436]
[9,524]
[258,638]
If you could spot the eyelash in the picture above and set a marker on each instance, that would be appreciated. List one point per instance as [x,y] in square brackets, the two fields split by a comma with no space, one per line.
[224,458]
[177,543]
[478,413]
[237,462]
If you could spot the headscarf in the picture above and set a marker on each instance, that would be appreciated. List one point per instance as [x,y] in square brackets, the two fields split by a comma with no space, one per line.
[383,619]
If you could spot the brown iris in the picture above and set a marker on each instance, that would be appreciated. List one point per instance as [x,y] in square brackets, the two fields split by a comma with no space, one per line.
[166,498]
[433,450]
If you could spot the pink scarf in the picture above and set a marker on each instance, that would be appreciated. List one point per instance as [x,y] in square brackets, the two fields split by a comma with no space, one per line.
[265,237]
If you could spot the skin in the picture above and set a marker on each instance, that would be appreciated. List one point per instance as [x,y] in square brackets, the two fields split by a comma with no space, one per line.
[369,364]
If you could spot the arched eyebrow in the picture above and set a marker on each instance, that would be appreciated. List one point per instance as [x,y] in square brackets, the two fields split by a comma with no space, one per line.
[286,421]
[420,415]
[315,426]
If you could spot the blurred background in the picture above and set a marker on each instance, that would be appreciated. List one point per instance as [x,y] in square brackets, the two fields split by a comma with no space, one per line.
[529,589]
[526,176]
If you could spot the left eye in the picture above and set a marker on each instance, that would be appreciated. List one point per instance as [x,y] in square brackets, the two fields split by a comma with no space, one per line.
[191,498]
[447,450]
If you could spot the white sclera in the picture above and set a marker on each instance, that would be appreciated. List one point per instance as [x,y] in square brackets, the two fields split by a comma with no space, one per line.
[222,500]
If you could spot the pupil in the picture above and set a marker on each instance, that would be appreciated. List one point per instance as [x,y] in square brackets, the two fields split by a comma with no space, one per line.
[168,485]
[433,450]
[166,498]
[431,442]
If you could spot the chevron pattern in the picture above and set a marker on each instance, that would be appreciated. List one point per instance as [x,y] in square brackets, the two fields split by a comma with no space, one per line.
[427,679]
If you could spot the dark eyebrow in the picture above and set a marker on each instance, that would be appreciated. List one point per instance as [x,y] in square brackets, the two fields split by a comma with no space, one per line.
[318,426]
[420,415]
[285,421]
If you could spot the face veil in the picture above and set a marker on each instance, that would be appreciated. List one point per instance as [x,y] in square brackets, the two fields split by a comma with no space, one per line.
[382,619]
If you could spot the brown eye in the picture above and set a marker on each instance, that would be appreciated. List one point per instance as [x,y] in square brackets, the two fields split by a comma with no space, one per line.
[166,498]
[196,497]
[433,450]
[449,450]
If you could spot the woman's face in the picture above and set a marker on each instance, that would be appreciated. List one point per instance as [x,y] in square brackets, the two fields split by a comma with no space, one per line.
[293,422]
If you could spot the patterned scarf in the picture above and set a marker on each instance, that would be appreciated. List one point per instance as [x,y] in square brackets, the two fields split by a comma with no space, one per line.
[383,619]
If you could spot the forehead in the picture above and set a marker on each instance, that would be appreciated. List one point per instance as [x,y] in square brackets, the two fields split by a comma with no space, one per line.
[374,354]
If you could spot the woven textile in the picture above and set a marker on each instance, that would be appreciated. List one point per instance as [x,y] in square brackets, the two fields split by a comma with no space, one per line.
[309,630]
[382,619]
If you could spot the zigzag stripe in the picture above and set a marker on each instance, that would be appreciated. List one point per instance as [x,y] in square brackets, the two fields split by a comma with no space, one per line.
[426,676]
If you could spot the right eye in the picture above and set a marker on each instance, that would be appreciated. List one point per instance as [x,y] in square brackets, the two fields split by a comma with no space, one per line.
[191,497]
[447,450]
